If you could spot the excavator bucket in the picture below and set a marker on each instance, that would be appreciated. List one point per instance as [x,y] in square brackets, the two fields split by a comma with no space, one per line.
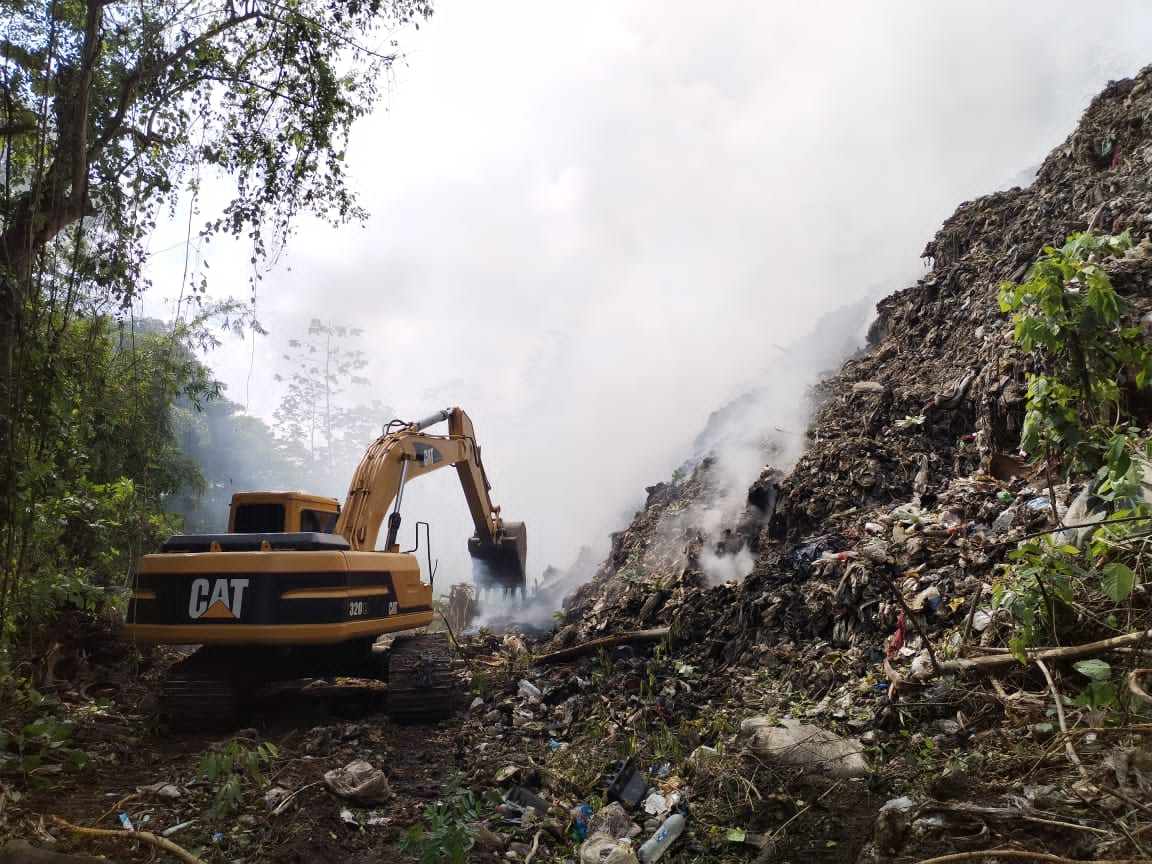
[500,564]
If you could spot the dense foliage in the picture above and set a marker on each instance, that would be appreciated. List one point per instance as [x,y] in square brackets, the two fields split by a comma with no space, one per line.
[1094,370]
[109,114]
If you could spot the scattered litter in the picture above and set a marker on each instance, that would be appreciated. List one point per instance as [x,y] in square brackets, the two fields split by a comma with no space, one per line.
[525,798]
[179,826]
[612,820]
[358,781]
[628,785]
[655,846]
[605,849]
[803,745]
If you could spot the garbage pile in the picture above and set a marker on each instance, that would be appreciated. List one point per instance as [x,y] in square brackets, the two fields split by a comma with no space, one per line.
[875,556]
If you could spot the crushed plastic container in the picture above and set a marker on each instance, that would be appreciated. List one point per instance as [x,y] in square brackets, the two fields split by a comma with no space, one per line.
[603,849]
[1004,521]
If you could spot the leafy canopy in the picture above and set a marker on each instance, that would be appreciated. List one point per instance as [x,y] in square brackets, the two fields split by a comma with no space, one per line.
[109,111]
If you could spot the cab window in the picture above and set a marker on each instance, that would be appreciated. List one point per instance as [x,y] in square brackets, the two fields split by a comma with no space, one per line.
[317,520]
[258,518]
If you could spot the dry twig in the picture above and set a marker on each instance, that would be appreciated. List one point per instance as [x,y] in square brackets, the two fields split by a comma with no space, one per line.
[143,836]
[535,846]
[1134,685]
[595,645]
[1073,757]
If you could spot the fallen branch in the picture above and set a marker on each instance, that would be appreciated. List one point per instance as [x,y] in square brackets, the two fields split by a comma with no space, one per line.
[144,836]
[1020,855]
[974,664]
[1127,799]
[595,645]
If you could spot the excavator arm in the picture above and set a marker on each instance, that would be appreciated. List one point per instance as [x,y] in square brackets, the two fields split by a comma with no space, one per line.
[498,548]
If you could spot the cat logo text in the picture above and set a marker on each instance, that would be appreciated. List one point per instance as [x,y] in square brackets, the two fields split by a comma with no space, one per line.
[217,598]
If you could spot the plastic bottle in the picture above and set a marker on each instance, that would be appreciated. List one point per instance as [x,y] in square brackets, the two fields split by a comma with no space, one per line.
[1004,521]
[665,836]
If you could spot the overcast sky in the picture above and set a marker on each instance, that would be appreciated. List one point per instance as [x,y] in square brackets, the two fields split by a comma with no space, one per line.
[595,222]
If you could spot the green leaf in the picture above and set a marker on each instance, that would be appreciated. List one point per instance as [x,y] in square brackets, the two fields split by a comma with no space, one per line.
[1118,581]
[1018,646]
[1098,694]
[1095,669]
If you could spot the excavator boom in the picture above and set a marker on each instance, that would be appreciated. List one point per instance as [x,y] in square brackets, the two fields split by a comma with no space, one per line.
[497,548]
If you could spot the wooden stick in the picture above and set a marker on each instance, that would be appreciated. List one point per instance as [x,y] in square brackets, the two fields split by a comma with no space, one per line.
[595,645]
[1073,757]
[973,664]
[146,836]
[1134,685]
[535,846]
[1019,855]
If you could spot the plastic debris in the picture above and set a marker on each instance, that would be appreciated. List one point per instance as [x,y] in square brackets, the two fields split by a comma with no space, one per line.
[360,782]
[525,798]
[580,814]
[660,842]
[604,849]
[628,785]
[612,820]
[803,745]
[162,790]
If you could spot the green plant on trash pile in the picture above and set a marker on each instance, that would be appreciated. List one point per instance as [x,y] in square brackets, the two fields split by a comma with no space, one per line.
[1092,365]
[449,829]
[230,770]
[1068,311]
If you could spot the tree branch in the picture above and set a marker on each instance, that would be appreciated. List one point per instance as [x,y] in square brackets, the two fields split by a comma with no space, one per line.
[1088,649]
[139,75]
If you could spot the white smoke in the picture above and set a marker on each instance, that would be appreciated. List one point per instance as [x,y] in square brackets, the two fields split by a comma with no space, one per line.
[595,222]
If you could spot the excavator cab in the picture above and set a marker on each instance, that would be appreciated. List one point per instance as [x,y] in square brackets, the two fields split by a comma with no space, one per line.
[263,512]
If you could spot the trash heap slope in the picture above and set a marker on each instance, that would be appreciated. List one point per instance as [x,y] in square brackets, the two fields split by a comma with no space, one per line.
[935,397]
[880,544]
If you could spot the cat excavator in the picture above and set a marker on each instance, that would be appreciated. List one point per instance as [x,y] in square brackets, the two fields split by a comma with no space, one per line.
[296,588]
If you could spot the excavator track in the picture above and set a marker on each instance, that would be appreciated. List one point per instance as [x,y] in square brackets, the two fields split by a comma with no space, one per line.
[201,692]
[219,688]
[421,686]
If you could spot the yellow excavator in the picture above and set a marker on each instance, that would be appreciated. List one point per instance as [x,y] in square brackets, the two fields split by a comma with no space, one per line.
[296,588]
